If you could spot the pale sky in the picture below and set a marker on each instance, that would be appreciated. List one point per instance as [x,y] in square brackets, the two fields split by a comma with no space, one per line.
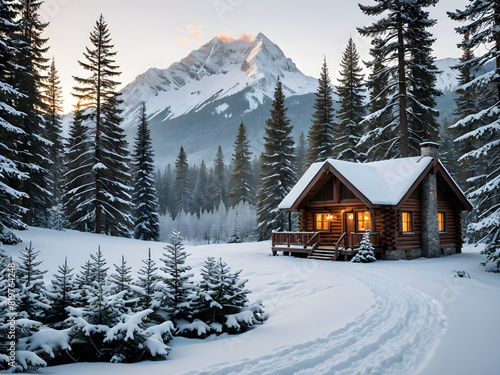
[156,33]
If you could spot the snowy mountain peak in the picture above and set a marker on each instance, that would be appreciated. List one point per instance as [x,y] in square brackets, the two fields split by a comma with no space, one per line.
[220,68]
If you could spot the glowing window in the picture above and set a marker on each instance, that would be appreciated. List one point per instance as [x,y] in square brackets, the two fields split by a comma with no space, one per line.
[364,221]
[323,222]
[407,222]
[442,221]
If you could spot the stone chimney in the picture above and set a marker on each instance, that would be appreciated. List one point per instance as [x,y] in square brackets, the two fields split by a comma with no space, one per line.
[430,222]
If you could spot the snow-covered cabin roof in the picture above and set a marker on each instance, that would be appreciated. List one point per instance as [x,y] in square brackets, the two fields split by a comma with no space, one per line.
[381,183]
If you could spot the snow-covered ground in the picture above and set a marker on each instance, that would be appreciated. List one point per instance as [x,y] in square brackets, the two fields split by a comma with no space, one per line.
[387,317]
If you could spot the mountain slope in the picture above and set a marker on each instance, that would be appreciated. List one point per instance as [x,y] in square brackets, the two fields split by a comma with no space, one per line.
[221,68]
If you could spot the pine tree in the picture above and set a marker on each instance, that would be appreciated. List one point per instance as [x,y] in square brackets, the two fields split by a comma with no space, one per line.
[144,197]
[482,128]
[201,196]
[404,47]
[122,278]
[110,190]
[219,190]
[220,293]
[365,252]
[351,99]
[10,175]
[300,156]
[241,176]
[177,279]
[382,118]
[147,280]
[62,294]
[32,297]
[277,171]
[466,105]
[53,131]
[78,187]
[32,155]
[422,92]
[183,193]
[320,134]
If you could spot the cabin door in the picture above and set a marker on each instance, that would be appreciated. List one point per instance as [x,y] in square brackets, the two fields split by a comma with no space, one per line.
[349,228]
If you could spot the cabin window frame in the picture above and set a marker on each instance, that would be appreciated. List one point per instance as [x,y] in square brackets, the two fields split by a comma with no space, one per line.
[410,222]
[357,212]
[322,221]
[442,229]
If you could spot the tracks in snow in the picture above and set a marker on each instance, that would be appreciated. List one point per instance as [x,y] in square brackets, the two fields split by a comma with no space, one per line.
[396,335]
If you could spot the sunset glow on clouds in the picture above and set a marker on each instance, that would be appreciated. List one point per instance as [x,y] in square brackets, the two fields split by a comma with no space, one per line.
[196,32]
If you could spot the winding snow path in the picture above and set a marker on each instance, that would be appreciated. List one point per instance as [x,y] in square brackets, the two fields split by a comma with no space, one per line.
[396,335]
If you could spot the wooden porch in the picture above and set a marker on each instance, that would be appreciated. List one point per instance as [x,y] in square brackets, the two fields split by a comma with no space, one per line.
[321,245]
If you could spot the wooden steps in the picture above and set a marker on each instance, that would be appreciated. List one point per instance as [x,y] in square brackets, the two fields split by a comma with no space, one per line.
[324,253]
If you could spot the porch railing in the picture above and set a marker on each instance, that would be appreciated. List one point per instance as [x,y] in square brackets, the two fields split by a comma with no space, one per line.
[295,239]
[357,237]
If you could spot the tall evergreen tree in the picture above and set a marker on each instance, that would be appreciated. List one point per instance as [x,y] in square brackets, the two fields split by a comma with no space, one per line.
[466,104]
[182,185]
[351,99]
[381,109]
[11,175]
[482,128]
[404,46]
[241,176]
[219,189]
[78,178]
[300,155]
[111,197]
[277,171]
[201,196]
[32,148]
[53,131]
[320,134]
[144,197]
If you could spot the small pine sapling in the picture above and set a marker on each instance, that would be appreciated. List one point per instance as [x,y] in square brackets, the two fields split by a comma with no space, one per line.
[365,252]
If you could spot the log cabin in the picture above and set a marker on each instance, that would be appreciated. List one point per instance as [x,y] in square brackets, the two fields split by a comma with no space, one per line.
[411,206]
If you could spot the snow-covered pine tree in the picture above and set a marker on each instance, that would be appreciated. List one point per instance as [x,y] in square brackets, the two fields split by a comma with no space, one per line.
[122,278]
[320,136]
[183,193]
[177,277]
[277,170]
[466,104]
[482,128]
[146,280]
[32,154]
[404,61]
[33,302]
[53,132]
[78,178]
[10,175]
[365,252]
[221,297]
[382,117]
[422,92]
[99,309]
[241,175]
[122,297]
[300,156]
[219,182]
[144,196]
[350,91]
[110,199]
[63,293]
[201,197]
